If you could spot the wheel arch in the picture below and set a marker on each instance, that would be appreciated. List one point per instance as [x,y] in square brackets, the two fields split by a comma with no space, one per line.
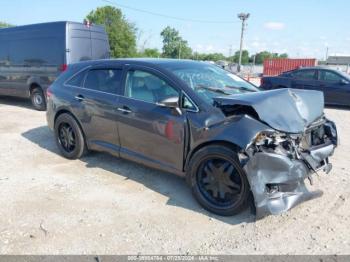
[34,85]
[34,82]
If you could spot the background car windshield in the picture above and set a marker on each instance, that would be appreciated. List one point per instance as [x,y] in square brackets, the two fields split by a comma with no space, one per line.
[211,81]
[346,76]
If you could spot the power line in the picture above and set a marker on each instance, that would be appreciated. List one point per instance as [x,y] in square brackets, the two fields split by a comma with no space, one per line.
[168,16]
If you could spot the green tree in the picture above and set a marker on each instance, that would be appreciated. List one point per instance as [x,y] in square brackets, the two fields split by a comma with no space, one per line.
[121,33]
[284,55]
[215,57]
[4,25]
[245,57]
[173,44]
[150,52]
[262,56]
[208,57]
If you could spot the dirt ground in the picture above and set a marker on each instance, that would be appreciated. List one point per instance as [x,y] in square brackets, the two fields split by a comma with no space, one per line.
[104,205]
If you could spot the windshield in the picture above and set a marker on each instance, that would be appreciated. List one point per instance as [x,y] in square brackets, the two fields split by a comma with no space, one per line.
[210,81]
[345,75]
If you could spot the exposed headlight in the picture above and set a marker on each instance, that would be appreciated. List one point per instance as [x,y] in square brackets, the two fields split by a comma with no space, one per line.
[269,138]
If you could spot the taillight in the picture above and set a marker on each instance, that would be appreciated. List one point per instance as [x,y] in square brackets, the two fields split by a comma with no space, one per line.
[262,81]
[63,67]
[87,23]
[48,93]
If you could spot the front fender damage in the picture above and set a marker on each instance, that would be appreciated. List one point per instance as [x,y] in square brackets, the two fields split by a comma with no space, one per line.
[277,183]
[278,166]
[289,140]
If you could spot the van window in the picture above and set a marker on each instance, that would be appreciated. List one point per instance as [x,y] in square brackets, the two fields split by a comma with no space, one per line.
[104,80]
[39,51]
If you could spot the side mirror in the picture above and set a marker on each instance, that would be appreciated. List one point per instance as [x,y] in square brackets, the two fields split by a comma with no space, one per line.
[171,102]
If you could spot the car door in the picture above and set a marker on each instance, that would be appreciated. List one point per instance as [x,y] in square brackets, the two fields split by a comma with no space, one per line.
[95,106]
[150,133]
[305,79]
[335,87]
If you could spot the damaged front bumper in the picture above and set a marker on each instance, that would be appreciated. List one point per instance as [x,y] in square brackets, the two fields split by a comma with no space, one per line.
[277,181]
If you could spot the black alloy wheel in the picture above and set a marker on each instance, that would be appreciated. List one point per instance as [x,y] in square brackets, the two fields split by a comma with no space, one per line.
[66,137]
[218,181]
[69,137]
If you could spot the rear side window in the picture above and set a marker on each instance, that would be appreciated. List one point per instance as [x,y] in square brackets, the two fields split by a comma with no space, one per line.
[77,80]
[305,74]
[103,80]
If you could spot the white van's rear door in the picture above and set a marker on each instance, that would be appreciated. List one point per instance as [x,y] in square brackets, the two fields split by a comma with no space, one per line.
[86,43]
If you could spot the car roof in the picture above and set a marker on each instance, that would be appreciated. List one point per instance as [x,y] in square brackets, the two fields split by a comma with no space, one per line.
[46,24]
[310,68]
[143,61]
[315,68]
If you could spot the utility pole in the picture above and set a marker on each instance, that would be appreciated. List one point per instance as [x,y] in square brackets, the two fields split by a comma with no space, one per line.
[327,49]
[243,17]
[179,50]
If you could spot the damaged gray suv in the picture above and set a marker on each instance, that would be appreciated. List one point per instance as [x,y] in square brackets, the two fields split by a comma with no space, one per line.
[229,139]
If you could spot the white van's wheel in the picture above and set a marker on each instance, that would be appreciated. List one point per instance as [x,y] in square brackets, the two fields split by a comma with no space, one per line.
[38,99]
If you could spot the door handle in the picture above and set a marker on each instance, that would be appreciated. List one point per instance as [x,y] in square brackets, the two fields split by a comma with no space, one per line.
[79,98]
[124,110]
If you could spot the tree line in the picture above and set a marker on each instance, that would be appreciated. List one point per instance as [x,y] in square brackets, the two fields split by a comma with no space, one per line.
[123,41]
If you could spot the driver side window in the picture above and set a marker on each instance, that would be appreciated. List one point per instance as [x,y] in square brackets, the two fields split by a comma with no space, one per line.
[148,87]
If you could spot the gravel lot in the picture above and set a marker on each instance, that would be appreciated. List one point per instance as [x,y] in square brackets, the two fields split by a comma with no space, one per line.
[104,205]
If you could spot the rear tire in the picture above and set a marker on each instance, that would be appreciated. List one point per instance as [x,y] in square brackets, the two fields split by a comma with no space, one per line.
[69,137]
[38,99]
[218,181]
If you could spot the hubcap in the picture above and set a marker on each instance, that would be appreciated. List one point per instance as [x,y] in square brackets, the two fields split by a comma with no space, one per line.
[38,99]
[66,137]
[220,182]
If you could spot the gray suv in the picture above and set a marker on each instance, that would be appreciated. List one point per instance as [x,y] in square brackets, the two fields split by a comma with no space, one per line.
[227,138]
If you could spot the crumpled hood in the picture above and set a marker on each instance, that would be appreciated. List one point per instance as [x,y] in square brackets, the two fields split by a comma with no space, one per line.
[286,110]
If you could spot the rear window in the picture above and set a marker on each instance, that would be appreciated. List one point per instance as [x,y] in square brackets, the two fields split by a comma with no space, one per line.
[77,80]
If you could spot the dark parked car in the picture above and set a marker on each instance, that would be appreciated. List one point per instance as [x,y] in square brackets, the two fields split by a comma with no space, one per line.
[334,84]
[198,121]
[32,56]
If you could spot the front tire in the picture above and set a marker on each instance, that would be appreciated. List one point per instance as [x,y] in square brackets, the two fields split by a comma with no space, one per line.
[69,137]
[38,99]
[218,181]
